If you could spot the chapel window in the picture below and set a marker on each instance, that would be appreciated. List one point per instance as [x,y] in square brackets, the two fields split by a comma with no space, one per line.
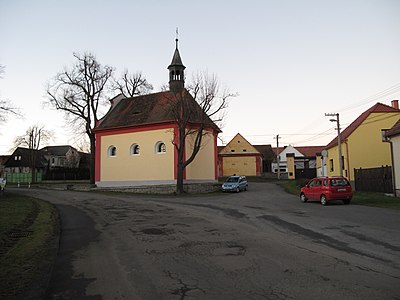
[161,147]
[135,149]
[112,151]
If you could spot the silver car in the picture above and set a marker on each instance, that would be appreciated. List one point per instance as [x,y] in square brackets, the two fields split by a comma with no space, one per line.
[235,184]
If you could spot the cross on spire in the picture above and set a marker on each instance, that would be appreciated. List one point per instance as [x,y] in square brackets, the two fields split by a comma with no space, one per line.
[176,39]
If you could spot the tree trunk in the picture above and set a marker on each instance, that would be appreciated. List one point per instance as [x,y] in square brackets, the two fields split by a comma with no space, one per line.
[180,163]
[179,180]
[33,166]
[92,157]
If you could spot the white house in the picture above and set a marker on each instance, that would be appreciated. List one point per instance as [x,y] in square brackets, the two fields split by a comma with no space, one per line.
[308,153]
[393,136]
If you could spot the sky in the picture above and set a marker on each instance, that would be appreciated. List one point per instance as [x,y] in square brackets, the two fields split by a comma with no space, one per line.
[290,61]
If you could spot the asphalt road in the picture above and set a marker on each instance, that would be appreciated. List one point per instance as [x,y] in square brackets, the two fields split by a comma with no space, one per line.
[259,244]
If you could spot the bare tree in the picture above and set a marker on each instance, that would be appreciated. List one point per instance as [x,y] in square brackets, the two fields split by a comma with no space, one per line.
[196,120]
[131,85]
[6,107]
[80,93]
[34,137]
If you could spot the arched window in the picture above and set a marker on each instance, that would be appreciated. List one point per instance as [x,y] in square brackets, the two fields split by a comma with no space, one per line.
[161,148]
[112,151]
[135,149]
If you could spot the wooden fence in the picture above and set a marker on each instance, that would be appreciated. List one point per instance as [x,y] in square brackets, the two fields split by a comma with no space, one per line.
[67,174]
[374,179]
[23,177]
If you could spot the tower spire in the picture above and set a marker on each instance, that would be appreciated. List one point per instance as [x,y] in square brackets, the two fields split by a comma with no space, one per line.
[176,70]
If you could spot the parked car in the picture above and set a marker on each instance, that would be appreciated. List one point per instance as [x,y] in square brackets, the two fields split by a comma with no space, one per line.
[3,182]
[326,189]
[235,184]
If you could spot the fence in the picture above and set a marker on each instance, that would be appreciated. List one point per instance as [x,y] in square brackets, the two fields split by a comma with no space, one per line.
[67,174]
[374,179]
[306,173]
[23,177]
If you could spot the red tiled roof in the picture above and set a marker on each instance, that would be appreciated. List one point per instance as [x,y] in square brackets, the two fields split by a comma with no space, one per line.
[280,150]
[305,150]
[266,151]
[395,130]
[310,150]
[149,109]
[377,108]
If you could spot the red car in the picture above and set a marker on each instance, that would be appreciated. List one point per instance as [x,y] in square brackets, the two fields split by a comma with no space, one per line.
[326,189]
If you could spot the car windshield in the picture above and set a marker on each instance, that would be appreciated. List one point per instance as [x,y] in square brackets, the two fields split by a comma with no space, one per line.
[339,182]
[232,179]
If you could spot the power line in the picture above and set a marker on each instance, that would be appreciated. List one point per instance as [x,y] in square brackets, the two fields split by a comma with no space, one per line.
[387,92]
[313,136]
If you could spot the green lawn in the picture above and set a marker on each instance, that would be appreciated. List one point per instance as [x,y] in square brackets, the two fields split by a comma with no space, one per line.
[29,230]
[360,198]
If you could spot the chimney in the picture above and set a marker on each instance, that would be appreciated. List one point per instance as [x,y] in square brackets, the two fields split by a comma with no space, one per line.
[395,104]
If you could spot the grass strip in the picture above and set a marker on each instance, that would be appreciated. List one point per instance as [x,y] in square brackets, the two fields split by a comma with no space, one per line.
[29,231]
[360,198]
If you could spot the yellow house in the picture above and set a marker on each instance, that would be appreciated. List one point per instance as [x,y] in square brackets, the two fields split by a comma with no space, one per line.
[362,145]
[240,157]
[135,139]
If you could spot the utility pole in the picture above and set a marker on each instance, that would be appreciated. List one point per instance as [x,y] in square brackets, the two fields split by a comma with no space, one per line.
[339,139]
[278,156]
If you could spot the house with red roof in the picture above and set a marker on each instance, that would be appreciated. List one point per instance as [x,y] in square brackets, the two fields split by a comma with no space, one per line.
[393,136]
[305,158]
[361,144]
[240,157]
[136,140]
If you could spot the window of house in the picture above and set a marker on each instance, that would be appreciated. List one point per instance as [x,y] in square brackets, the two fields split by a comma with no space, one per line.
[233,150]
[135,149]
[244,150]
[112,151]
[161,147]
[383,134]
[331,165]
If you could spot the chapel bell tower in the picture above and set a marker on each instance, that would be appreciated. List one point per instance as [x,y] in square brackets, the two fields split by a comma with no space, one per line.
[176,72]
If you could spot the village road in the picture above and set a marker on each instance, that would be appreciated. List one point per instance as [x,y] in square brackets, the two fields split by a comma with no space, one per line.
[259,244]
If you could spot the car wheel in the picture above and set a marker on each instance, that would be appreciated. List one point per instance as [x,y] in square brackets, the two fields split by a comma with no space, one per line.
[303,198]
[245,188]
[347,201]
[237,190]
[323,200]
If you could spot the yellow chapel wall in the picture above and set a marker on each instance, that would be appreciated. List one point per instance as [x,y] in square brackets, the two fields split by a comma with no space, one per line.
[147,166]
[204,165]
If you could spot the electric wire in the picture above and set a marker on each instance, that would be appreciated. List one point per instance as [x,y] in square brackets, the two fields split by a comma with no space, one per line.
[384,93]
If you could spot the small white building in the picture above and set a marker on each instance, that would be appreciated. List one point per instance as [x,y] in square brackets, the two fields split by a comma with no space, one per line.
[393,136]
[309,154]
